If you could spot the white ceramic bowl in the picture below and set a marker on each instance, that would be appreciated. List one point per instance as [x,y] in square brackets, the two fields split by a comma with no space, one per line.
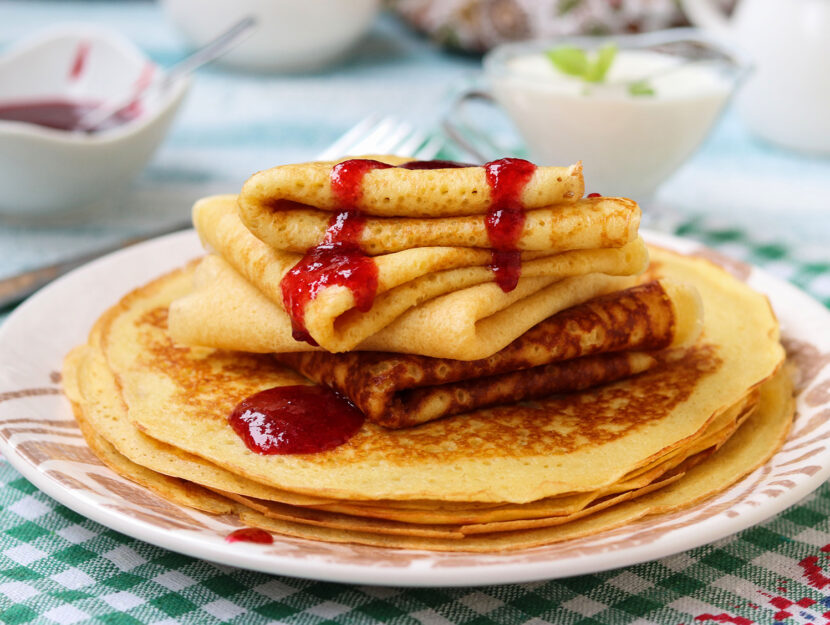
[629,144]
[45,171]
[291,35]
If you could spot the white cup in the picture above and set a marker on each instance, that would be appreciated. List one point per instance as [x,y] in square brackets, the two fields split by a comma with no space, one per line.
[787,98]
[628,144]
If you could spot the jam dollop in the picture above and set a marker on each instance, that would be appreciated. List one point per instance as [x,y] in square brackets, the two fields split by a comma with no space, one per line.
[505,219]
[594,195]
[295,420]
[250,535]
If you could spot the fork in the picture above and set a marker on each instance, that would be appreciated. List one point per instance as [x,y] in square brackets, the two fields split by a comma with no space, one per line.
[374,134]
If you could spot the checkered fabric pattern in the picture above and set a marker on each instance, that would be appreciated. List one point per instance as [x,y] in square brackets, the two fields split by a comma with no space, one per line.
[58,567]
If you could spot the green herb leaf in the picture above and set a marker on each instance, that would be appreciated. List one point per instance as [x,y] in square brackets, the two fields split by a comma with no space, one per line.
[569,60]
[602,63]
[641,88]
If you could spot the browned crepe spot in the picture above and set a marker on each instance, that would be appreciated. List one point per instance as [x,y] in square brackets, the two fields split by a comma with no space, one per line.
[397,390]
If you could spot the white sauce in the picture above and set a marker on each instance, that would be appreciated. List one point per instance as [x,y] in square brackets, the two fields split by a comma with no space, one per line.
[628,143]
[669,76]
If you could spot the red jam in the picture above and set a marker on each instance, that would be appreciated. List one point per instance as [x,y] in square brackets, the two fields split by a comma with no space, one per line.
[594,195]
[250,535]
[347,177]
[437,164]
[295,420]
[79,62]
[338,260]
[59,114]
[505,219]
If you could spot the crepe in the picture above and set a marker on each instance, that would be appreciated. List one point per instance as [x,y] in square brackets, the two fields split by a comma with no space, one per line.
[105,412]
[587,224]
[573,443]
[225,311]
[92,388]
[400,391]
[99,407]
[403,193]
[405,279]
[743,452]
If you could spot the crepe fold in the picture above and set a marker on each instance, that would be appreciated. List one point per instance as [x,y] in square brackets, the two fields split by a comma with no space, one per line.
[584,224]
[406,279]
[399,192]
[605,339]
[225,311]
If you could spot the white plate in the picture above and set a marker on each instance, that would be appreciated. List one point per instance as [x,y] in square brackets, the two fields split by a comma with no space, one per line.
[39,437]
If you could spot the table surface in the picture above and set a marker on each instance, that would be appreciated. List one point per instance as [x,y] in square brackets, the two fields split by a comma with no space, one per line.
[738,194]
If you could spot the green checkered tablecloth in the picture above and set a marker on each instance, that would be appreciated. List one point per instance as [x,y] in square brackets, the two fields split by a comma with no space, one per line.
[58,567]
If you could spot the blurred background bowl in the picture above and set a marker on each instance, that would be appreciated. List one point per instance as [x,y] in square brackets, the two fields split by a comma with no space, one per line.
[45,171]
[629,144]
[292,35]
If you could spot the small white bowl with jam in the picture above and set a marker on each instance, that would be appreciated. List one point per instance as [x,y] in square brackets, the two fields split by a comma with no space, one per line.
[48,163]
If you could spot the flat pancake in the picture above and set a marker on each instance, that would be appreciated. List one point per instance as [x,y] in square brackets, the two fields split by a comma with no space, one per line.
[99,400]
[223,310]
[750,447]
[100,409]
[427,512]
[405,193]
[400,391]
[405,279]
[194,496]
[571,443]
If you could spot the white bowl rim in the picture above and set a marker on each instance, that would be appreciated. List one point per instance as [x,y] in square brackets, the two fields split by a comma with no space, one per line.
[735,60]
[45,37]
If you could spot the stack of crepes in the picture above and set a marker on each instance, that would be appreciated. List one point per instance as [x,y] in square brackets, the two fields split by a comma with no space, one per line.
[543,382]
[466,276]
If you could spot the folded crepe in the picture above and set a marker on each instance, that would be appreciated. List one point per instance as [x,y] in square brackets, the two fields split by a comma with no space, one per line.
[605,339]
[405,279]
[291,207]
[398,192]
[585,224]
[226,311]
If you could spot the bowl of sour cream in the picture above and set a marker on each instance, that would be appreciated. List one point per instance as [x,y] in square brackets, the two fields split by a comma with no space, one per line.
[631,108]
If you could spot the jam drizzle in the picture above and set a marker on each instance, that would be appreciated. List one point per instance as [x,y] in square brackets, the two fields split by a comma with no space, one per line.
[339,259]
[295,420]
[250,535]
[505,219]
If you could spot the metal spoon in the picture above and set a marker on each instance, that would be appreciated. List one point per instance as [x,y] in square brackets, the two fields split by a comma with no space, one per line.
[213,50]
